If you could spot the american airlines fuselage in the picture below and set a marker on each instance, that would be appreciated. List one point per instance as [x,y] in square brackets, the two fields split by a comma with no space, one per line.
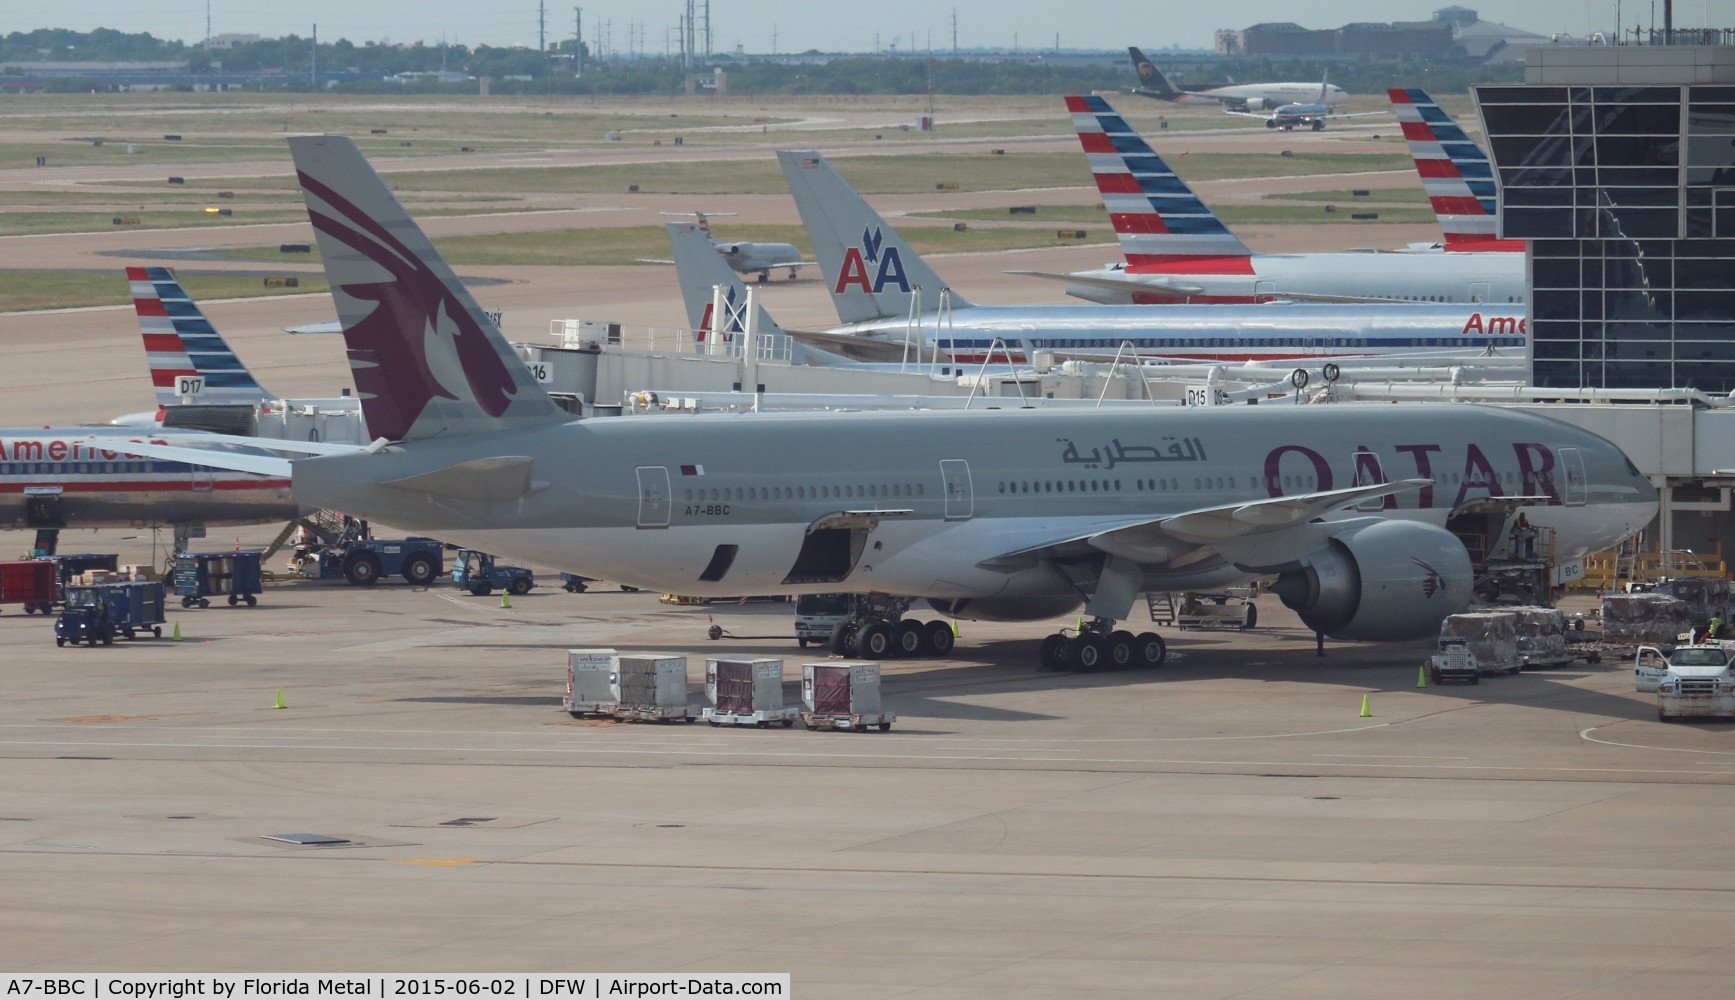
[85,478]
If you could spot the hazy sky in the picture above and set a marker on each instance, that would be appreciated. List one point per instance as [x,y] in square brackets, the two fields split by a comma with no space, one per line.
[816,24]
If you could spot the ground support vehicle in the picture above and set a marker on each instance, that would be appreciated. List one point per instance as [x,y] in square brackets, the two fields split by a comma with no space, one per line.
[746,692]
[1652,663]
[590,682]
[1699,683]
[31,583]
[817,615]
[651,689]
[478,573]
[363,561]
[100,612]
[1230,609]
[843,696]
[572,583]
[1491,638]
[200,576]
[1454,662]
[1542,637]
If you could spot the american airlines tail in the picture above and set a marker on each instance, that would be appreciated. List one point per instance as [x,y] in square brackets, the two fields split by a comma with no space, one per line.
[1455,172]
[1159,220]
[872,273]
[700,268]
[427,361]
[190,362]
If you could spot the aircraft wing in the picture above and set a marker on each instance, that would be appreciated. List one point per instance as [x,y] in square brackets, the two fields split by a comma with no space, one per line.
[1118,284]
[332,327]
[238,454]
[864,348]
[1154,540]
[655,260]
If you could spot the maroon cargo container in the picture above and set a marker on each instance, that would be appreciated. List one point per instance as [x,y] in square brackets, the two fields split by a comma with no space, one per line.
[831,689]
[31,582]
[735,686]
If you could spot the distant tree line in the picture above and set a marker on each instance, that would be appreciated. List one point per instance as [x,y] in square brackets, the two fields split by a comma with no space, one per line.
[365,67]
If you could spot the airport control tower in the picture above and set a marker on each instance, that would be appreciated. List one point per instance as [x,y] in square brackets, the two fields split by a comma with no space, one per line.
[1617,162]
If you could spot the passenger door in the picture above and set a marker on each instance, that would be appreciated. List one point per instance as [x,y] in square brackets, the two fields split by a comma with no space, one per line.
[653,496]
[960,499]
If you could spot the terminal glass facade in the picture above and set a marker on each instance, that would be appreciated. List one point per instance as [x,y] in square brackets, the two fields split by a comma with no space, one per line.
[1627,194]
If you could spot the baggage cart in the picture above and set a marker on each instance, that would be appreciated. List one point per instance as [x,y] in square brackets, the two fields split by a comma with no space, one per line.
[746,692]
[101,612]
[30,583]
[200,576]
[843,696]
[477,572]
[651,689]
[590,682]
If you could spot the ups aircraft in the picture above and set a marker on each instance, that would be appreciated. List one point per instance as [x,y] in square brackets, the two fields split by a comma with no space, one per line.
[1011,515]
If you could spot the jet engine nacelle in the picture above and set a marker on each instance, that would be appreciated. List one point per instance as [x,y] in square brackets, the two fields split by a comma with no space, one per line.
[1259,104]
[732,249]
[1024,608]
[1385,581]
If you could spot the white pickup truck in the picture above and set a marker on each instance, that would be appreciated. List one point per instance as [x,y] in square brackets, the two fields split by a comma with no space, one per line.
[1690,681]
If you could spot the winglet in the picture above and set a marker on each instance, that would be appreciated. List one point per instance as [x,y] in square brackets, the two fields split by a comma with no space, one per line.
[1157,216]
[191,364]
[427,361]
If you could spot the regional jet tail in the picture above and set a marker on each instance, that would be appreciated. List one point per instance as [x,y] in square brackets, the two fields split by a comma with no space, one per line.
[1013,515]
[873,274]
[1455,173]
[190,362]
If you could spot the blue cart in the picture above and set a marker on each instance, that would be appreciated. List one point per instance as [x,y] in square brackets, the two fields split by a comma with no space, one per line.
[478,573]
[99,612]
[200,576]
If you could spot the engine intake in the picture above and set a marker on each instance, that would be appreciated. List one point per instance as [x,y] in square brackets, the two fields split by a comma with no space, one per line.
[1384,581]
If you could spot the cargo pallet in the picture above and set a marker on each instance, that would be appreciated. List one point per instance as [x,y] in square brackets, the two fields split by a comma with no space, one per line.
[762,718]
[859,723]
[580,709]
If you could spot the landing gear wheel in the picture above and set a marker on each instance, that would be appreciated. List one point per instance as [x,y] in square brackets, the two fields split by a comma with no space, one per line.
[520,586]
[1319,126]
[1120,650]
[1252,617]
[362,571]
[1048,652]
[843,639]
[908,638]
[1089,654]
[874,641]
[1149,651]
[937,638]
[419,571]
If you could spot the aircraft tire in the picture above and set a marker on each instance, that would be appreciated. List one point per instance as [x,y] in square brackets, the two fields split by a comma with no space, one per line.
[937,638]
[842,638]
[908,639]
[1089,654]
[1120,650]
[1252,617]
[874,642]
[1048,652]
[1149,650]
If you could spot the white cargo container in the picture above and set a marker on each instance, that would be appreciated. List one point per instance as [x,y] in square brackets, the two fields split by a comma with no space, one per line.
[589,681]
[651,688]
[746,692]
[843,696]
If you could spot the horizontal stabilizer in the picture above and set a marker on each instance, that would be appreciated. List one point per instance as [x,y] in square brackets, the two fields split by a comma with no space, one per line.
[1128,285]
[486,480]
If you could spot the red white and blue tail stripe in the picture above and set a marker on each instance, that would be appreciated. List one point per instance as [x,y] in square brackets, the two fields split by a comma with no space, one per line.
[1159,220]
[1455,173]
[190,363]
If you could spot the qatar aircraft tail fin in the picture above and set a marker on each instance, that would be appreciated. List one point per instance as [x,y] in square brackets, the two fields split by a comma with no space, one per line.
[871,272]
[1157,216]
[191,364]
[1456,173]
[427,361]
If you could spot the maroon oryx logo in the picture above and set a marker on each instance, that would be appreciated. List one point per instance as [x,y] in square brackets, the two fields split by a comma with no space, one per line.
[1434,582]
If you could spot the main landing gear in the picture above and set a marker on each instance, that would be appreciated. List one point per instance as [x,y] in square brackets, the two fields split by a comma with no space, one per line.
[879,631]
[1098,645]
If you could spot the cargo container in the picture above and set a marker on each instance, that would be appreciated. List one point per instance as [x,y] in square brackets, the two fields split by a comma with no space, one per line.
[746,692]
[651,688]
[31,583]
[100,612]
[843,696]
[200,576]
[590,682]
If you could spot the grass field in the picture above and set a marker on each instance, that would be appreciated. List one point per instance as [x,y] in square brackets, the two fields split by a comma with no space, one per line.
[21,290]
